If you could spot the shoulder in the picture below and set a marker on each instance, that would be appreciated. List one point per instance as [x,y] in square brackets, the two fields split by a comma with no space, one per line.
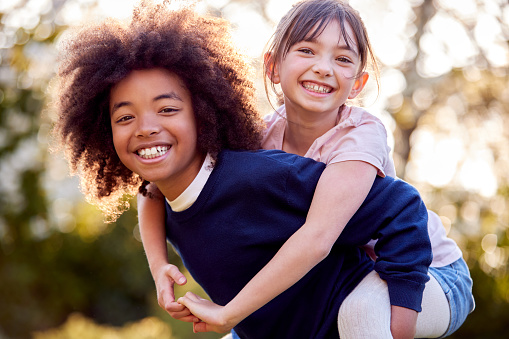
[252,159]
[364,127]
[357,120]
[274,129]
[268,172]
[269,166]
[276,116]
[357,116]
[395,187]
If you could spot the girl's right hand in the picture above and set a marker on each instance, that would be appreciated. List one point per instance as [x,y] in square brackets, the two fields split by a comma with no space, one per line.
[212,316]
[166,277]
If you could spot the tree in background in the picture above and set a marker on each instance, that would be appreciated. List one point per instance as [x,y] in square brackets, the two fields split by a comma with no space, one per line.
[444,95]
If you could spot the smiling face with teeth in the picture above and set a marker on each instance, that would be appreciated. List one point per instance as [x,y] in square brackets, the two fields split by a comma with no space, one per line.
[318,75]
[154,129]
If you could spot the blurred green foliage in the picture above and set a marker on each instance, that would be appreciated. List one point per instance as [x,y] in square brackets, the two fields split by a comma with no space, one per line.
[65,273]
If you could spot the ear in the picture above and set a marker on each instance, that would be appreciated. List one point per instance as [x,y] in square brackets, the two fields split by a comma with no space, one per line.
[271,69]
[359,84]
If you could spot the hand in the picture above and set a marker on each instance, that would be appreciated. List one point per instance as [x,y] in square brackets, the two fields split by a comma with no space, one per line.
[210,314]
[166,277]
[403,322]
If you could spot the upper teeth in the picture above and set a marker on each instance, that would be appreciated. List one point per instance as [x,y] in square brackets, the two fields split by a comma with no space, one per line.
[316,88]
[153,152]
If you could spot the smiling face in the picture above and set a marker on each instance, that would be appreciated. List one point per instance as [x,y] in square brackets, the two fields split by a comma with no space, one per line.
[319,75]
[154,129]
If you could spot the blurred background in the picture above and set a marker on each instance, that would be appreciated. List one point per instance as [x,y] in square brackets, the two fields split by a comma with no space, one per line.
[444,98]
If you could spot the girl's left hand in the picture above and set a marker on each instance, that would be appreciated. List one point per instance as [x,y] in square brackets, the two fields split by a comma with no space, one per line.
[210,314]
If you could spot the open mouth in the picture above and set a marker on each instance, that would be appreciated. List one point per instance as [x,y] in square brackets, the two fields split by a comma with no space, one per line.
[152,152]
[313,87]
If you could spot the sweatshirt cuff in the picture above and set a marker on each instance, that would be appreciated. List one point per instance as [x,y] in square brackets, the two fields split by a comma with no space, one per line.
[405,293]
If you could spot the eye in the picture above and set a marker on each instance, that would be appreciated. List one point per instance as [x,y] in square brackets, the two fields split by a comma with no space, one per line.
[168,110]
[123,118]
[305,50]
[344,60]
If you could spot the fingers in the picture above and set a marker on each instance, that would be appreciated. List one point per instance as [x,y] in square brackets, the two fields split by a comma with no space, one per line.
[189,319]
[166,298]
[172,307]
[177,276]
[164,285]
[188,299]
[193,297]
[169,275]
[185,315]
[200,327]
[179,312]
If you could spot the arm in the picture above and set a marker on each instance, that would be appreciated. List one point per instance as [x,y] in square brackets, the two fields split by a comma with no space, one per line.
[403,247]
[393,212]
[151,220]
[325,222]
[403,322]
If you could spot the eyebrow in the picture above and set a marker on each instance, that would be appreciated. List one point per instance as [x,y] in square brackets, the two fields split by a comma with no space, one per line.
[346,47]
[169,95]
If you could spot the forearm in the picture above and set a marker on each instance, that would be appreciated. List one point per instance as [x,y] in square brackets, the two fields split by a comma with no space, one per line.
[289,265]
[330,210]
[151,215]
[153,235]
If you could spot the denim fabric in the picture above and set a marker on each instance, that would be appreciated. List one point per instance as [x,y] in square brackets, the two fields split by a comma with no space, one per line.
[234,335]
[457,284]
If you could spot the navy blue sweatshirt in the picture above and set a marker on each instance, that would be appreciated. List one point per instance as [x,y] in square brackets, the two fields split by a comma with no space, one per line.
[254,201]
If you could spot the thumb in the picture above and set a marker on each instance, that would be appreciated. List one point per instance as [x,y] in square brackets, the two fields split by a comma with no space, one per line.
[176,275]
[188,300]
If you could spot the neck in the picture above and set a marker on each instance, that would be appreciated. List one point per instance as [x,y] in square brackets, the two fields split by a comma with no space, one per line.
[303,129]
[174,187]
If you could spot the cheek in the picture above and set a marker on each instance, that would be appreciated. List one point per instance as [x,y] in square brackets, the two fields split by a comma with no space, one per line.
[187,129]
[119,142]
[191,137]
[347,73]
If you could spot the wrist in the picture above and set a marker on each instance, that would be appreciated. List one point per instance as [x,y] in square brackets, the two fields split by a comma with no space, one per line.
[157,267]
[230,316]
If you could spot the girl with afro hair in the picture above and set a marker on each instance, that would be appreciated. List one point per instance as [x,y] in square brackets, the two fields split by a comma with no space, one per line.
[198,50]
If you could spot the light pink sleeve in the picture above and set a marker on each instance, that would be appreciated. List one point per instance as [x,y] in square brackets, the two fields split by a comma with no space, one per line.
[274,129]
[362,137]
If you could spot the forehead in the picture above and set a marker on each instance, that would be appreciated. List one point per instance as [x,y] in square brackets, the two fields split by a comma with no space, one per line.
[149,82]
[333,28]
[313,28]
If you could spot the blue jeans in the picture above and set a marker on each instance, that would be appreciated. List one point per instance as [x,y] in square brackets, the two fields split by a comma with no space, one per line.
[457,284]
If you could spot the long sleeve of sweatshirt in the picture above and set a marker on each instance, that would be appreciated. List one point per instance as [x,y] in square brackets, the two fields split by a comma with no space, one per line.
[393,213]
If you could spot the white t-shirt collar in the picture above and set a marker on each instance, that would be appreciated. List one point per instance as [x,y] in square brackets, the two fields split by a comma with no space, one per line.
[191,193]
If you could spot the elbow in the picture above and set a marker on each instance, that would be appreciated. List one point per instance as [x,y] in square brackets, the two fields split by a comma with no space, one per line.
[321,248]
[315,242]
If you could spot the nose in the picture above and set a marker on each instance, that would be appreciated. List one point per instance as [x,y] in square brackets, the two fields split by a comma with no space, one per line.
[147,126]
[323,67]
